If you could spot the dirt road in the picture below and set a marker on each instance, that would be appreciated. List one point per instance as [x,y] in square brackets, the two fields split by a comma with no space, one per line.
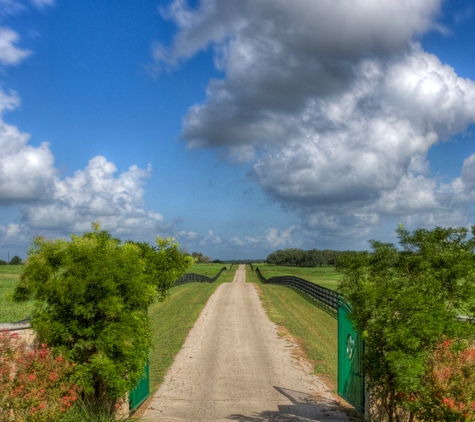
[235,367]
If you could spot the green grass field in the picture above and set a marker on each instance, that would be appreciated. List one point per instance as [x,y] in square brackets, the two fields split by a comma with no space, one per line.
[324,276]
[314,329]
[9,310]
[209,270]
[173,319]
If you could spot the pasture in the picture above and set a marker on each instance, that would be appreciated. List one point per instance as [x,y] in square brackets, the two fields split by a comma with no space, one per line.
[324,276]
[209,270]
[11,311]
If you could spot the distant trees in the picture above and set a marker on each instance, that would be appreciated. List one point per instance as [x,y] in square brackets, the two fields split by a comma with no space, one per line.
[16,260]
[300,258]
[200,258]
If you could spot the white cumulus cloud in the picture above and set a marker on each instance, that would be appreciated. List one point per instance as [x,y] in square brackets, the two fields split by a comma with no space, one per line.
[26,172]
[96,193]
[334,103]
[10,54]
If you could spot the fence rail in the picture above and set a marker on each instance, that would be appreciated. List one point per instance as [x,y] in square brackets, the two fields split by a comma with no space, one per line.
[324,298]
[190,277]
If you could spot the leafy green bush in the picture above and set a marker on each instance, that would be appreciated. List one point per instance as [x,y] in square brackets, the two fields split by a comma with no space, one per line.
[405,303]
[92,295]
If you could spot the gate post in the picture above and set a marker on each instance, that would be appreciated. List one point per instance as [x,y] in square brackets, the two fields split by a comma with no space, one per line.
[350,360]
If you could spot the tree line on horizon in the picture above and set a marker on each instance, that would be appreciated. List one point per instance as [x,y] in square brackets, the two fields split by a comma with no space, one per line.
[16,260]
[300,258]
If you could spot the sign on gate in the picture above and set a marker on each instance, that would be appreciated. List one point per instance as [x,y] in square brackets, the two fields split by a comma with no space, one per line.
[350,360]
[142,391]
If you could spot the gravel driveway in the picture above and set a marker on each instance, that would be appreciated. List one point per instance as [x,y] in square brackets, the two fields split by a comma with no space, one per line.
[235,367]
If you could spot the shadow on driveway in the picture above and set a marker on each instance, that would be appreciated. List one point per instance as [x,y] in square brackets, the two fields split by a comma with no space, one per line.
[304,408]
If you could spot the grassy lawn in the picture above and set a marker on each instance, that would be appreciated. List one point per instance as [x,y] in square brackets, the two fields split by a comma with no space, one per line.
[314,329]
[209,270]
[324,276]
[9,310]
[173,319]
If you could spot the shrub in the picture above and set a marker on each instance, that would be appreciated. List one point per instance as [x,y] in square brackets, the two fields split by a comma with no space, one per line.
[92,295]
[450,393]
[405,303]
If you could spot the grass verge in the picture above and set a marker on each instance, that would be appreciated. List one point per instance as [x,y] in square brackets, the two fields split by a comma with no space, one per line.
[173,319]
[11,311]
[324,276]
[313,329]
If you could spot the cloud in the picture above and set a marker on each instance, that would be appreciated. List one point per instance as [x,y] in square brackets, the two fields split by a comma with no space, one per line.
[364,143]
[40,4]
[58,206]
[188,235]
[272,238]
[9,53]
[334,104]
[54,206]
[14,238]
[26,172]
[96,193]
[10,7]
[211,239]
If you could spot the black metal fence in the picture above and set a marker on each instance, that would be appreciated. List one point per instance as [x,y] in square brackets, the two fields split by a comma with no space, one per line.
[322,297]
[190,278]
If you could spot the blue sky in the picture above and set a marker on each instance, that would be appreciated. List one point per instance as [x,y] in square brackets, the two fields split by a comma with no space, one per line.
[236,126]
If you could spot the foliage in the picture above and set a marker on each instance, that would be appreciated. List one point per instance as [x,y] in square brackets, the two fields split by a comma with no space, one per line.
[83,411]
[300,258]
[200,258]
[33,383]
[2,262]
[92,295]
[16,260]
[405,302]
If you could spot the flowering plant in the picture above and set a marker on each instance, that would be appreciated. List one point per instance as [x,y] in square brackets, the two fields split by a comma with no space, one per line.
[451,379]
[34,384]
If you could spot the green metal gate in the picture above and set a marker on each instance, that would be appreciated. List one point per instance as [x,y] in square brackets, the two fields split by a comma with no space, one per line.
[142,391]
[350,359]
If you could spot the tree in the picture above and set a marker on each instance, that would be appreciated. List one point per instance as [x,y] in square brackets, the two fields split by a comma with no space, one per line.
[16,260]
[405,304]
[200,258]
[92,295]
